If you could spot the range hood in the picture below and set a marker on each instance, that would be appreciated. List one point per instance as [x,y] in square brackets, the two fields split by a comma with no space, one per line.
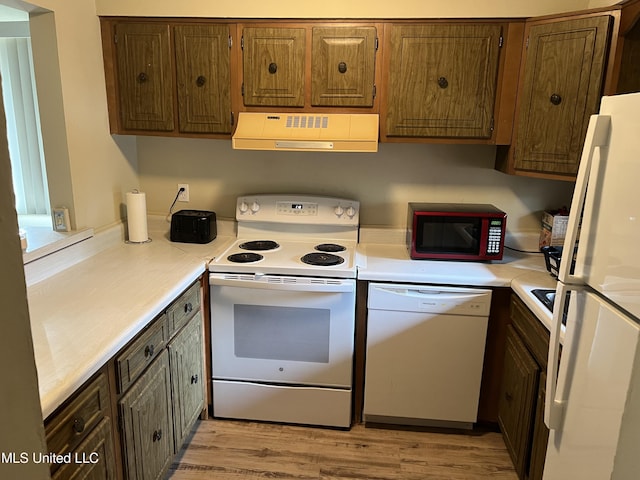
[306,132]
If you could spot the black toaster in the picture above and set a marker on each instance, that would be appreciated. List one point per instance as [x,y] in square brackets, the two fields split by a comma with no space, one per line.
[193,226]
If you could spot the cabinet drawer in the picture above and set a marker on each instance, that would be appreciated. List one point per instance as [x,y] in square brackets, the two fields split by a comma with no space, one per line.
[93,459]
[68,428]
[184,308]
[135,359]
[533,333]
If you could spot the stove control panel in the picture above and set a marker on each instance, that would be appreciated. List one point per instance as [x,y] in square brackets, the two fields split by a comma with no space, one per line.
[298,209]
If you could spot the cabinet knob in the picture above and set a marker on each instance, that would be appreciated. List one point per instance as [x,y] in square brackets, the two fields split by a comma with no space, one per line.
[78,425]
[157,435]
[188,308]
[273,68]
[148,351]
[508,396]
[342,67]
[201,80]
[555,99]
[443,82]
[194,378]
[142,77]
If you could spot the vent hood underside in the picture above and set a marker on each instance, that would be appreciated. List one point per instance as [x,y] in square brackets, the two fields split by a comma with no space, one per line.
[306,132]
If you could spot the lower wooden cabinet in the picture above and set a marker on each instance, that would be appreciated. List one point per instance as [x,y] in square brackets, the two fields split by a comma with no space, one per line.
[166,393]
[187,375]
[81,432]
[517,400]
[147,424]
[93,459]
[521,405]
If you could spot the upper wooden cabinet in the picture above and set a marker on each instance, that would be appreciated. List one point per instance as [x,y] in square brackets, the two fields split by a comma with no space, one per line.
[343,66]
[273,63]
[308,66]
[203,78]
[165,78]
[626,49]
[145,82]
[561,83]
[441,79]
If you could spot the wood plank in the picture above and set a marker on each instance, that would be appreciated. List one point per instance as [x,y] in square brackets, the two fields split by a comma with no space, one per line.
[230,450]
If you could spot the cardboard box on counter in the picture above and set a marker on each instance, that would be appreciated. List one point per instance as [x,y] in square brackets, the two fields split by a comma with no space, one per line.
[554,228]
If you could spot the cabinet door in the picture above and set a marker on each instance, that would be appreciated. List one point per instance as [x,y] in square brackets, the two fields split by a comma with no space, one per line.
[145,78]
[517,399]
[561,89]
[343,66]
[93,459]
[147,431]
[185,358]
[442,80]
[540,434]
[203,77]
[273,66]
[629,76]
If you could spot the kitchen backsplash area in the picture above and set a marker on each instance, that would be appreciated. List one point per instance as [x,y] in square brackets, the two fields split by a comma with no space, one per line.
[383,182]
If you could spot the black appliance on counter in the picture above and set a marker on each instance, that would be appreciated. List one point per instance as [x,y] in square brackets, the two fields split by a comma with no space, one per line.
[193,226]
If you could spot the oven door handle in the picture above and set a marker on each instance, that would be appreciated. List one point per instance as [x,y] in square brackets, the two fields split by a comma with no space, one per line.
[290,284]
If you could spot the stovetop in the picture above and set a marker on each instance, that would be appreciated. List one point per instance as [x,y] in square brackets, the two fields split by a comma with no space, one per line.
[287,234]
[289,258]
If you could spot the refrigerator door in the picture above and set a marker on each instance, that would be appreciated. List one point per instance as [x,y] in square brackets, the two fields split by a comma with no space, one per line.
[607,256]
[596,437]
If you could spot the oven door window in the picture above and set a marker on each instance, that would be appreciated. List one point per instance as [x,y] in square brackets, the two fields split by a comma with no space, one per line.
[281,333]
[449,235]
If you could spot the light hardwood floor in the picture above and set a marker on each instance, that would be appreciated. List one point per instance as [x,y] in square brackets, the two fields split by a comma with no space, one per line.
[234,450]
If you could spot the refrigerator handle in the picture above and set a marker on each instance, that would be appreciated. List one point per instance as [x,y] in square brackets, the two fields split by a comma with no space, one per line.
[597,136]
[554,406]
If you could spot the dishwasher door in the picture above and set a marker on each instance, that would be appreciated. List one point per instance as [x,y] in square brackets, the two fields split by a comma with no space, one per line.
[425,350]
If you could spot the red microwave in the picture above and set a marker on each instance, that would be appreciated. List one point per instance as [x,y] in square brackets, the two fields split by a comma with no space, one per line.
[455,231]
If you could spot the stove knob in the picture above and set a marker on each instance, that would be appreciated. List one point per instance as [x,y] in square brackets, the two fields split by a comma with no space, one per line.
[255,207]
[243,207]
[338,211]
[351,212]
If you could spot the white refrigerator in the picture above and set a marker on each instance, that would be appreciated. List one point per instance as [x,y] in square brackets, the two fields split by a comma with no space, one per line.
[592,404]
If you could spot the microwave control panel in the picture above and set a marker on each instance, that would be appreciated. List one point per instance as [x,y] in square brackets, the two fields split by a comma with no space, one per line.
[494,240]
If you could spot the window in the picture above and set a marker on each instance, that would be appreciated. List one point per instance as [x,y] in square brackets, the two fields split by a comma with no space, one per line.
[23,126]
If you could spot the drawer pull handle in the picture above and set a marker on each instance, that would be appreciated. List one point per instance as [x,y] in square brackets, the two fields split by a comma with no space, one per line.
[201,80]
[273,68]
[157,435]
[194,379]
[148,351]
[78,425]
[188,308]
[342,67]
[443,82]
[555,99]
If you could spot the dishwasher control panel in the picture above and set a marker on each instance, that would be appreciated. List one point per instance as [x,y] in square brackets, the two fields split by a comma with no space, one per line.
[429,299]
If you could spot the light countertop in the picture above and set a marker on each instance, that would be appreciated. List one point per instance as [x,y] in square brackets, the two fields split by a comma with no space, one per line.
[102,293]
[83,315]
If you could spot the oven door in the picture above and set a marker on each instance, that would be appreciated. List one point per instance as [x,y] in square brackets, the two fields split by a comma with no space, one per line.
[286,330]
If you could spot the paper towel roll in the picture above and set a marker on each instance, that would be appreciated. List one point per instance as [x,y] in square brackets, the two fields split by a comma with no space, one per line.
[137,216]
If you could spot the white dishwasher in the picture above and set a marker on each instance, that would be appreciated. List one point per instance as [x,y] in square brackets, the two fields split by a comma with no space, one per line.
[425,350]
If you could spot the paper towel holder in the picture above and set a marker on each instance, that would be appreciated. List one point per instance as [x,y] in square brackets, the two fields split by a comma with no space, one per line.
[137,216]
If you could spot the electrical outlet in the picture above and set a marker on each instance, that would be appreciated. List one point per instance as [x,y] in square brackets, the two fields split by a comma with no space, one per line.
[61,222]
[184,195]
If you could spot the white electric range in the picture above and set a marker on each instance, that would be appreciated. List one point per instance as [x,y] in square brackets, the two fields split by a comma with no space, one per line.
[283,311]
